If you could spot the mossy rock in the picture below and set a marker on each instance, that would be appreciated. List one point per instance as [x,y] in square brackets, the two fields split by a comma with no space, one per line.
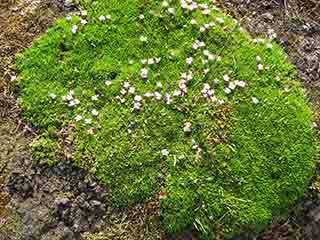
[174,104]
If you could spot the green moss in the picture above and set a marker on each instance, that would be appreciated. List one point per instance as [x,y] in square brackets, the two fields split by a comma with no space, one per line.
[45,150]
[233,161]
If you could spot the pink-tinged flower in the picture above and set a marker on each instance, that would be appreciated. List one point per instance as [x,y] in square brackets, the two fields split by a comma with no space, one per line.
[189,60]
[240,83]
[74,29]
[226,78]
[148,95]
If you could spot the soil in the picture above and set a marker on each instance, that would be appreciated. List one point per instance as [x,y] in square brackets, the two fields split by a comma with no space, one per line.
[64,202]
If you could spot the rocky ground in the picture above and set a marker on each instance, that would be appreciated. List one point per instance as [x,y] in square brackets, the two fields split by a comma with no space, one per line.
[37,202]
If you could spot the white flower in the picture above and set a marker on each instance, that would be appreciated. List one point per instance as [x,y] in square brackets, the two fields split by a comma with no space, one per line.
[83,12]
[144,73]
[143,39]
[123,91]
[94,112]
[64,98]
[177,93]
[165,4]
[210,92]
[138,98]
[131,90]
[88,121]
[141,16]
[260,67]
[171,10]
[74,29]
[108,82]
[108,17]
[150,61]
[76,101]
[78,118]
[189,60]
[227,90]
[164,152]
[148,95]
[206,52]
[201,44]
[126,85]
[195,46]
[211,57]
[159,85]
[137,105]
[52,96]
[168,99]
[83,21]
[102,18]
[259,59]
[226,78]
[240,83]
[255,100]
[158,60]
[94,98]
[206,12]
[13,78]
[206,86]
[220,20]
[221,102]
[232,85]
[158,95]
[193,21]
[187,128]
[72,103]
[69,98]
[68,18]
[269,46]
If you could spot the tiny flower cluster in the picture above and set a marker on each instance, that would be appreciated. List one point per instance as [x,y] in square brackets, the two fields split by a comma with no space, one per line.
[151,61]
[232,85]
[70,99]
[137,102]
[183,89]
